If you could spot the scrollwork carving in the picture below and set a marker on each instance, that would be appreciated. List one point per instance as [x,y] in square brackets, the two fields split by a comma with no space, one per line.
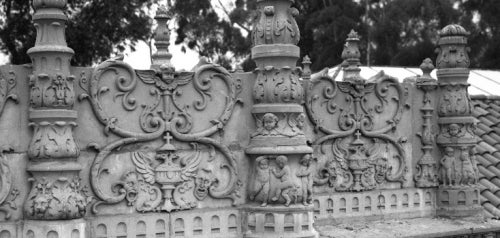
[6,189]
[168,114]
[359,162]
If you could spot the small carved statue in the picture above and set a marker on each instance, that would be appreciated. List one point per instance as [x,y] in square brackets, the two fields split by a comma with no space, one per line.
[283,174]
[305,174]
[261,185]
[468,174]
[447,166]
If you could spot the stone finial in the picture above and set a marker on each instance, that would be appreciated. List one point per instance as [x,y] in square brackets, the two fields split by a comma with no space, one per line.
[453,50]
[351,56]
[427,68]
[306,71]
[162,57]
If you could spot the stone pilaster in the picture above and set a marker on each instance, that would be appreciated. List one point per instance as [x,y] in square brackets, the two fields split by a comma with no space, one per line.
[458,193]
[56,192]
[427,173]
[281,159]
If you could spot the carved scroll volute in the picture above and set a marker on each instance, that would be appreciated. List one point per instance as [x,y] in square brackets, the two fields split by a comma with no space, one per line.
[56,193]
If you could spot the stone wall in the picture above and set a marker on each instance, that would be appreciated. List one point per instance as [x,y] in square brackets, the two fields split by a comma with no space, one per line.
[111,151]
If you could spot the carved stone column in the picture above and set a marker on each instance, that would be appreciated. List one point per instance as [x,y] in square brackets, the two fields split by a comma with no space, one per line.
[427,174]
[56,193]
[281,181]
[458,193]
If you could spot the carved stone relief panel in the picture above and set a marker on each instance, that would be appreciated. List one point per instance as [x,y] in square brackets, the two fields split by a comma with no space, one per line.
[185,110]
[358,146]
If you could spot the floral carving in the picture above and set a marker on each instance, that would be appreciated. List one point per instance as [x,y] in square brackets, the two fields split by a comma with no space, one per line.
[168,115]
[454,100]
[6,86]
[61,199]
[54,91]
[53,140]
[276,26]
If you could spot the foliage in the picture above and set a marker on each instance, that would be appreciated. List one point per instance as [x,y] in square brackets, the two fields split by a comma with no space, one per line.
[393,32]
[95,28]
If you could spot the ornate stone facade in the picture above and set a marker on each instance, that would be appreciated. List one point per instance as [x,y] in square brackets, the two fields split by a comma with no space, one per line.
[110,151]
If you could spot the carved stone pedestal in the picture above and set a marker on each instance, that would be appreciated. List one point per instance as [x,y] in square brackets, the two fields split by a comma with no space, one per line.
[51,229]
[458,202]
[271,222]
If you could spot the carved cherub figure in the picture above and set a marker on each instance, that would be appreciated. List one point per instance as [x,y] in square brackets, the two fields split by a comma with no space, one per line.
[454,130]
[270,122]
[283,174]
[448,166]
[305,174]
[261,185]
[269,125]
[468,174]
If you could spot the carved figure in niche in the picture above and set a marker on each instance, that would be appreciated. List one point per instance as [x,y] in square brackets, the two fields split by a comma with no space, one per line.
[283,174]
[305,174]
[468,174]
[261,185]
[448,166]
[473,161]
[203,181]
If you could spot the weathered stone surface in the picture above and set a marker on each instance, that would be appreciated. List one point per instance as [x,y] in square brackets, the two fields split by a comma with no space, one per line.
[110,151]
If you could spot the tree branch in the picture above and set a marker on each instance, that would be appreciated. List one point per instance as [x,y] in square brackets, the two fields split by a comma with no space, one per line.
[237,23]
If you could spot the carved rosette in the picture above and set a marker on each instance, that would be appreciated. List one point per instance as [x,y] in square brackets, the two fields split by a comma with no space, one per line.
[427,174]
[56,193]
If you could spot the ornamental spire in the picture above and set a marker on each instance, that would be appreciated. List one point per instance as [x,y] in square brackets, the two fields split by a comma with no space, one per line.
[351,56]
[161,59]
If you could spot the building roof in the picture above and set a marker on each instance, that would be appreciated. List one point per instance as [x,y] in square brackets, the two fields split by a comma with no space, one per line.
[483,82]
[487,110]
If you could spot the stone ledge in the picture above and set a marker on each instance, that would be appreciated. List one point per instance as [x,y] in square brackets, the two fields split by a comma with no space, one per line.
[416,228]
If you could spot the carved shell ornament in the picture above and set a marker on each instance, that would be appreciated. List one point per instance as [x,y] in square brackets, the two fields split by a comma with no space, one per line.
[359,142]
[166,113]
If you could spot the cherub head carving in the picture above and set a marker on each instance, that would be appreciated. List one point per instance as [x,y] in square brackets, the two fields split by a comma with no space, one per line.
[270,121]
[454,130]
[167,73]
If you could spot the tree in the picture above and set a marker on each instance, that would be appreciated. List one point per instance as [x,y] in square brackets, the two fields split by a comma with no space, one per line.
[404,32]
[200,28]
[95,29]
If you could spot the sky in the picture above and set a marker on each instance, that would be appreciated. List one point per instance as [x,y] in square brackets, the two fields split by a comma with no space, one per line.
[140,59]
